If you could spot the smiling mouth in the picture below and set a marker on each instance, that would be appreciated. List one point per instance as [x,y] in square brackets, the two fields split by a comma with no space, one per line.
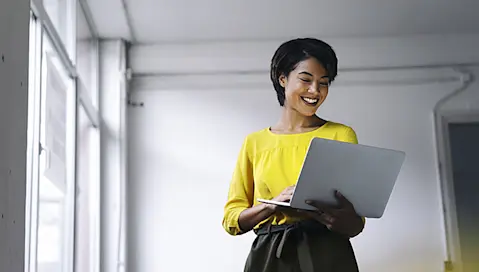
[310,101]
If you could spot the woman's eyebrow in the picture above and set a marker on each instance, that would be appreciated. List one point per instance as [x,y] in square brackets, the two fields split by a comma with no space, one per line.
[306,73]
[309,74]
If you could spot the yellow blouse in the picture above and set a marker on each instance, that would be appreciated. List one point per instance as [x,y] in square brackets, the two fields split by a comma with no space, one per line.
[267,164]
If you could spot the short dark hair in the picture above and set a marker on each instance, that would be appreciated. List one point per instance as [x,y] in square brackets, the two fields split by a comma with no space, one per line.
[292,52]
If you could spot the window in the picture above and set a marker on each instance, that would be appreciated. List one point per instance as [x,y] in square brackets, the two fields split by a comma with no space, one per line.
[56,189]
[63,190]
[31,206]
[61,14]
[87,57]
[50,190]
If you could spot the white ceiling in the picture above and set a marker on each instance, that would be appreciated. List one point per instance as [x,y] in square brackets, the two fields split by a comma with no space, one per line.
[153,21]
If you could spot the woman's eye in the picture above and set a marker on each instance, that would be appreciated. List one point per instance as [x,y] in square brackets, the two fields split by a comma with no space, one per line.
[324,84]
[305,80]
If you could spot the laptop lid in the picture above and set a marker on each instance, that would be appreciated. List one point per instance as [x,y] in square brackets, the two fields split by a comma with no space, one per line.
[365,175]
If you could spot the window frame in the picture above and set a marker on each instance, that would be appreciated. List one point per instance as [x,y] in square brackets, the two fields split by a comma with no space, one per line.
[33,146]
[41,29]
[442,121]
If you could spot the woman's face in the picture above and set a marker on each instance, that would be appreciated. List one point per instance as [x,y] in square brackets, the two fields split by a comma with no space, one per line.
[306,87]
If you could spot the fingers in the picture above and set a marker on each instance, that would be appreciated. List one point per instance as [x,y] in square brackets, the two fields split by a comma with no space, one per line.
[289,190]
[284,198]
[327,220]
[321,207]
[324,218]
[343,201]
[286,195]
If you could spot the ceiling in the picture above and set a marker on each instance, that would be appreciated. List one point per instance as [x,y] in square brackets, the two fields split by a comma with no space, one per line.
[156,21]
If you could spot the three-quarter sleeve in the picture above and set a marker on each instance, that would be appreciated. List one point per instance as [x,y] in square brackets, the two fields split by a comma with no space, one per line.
[241,190]
[350,136]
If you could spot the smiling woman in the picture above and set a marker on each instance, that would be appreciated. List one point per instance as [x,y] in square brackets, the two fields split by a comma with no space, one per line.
[270,161]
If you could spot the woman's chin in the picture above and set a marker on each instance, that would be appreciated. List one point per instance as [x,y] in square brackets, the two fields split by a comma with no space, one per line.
[308,113]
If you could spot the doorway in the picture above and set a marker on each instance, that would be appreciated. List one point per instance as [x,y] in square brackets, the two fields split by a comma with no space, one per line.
[464,148]
[460,148]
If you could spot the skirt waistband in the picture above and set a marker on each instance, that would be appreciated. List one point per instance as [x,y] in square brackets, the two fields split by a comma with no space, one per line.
[306,225]
[303,228]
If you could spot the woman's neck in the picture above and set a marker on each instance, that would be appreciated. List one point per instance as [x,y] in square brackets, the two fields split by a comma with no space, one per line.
[292,120]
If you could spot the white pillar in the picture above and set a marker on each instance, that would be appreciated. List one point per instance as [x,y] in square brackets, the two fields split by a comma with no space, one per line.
[113,102]
[14,29]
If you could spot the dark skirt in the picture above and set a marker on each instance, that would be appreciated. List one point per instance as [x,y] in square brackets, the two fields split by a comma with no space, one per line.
[301,247]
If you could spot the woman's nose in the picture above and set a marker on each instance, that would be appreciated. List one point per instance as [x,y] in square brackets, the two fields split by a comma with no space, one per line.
[313,88]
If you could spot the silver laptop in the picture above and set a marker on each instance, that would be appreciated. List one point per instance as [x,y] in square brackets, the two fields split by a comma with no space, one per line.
[365,175]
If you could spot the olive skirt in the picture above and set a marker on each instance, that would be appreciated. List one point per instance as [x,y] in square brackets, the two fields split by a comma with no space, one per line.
[304,246]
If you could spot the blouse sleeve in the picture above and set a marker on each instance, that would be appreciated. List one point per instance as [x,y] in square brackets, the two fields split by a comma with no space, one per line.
[241,191]
[349,136]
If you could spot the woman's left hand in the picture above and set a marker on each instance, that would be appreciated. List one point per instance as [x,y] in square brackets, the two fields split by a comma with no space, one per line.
[342,219]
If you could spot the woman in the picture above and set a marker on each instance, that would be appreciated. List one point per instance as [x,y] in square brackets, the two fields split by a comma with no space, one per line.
[269,162]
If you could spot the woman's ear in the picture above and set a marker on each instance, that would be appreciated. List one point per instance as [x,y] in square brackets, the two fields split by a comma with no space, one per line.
[283,80]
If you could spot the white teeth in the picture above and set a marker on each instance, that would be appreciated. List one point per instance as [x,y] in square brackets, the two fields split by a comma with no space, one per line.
[310,100]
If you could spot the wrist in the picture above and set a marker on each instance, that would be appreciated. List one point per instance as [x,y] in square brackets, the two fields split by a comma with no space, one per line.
[269,208]
[358,227]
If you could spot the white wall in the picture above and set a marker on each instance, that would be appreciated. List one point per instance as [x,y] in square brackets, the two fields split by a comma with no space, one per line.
[184,143]
[254,56]
[14,24]
[467,100]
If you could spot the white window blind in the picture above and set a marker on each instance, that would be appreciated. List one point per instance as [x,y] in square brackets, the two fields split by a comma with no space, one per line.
[55,126]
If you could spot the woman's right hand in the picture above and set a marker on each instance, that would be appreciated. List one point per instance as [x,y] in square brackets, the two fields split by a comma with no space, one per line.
[256,214]
[284,196]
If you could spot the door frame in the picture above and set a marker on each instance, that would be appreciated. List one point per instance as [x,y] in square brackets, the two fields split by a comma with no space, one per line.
[442,121]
